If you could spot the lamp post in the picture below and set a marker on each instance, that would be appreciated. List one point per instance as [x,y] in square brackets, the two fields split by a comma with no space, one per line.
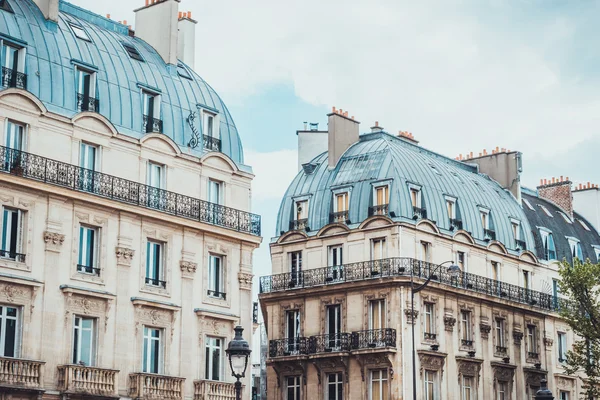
[454,271]
[544,393]
[238,352]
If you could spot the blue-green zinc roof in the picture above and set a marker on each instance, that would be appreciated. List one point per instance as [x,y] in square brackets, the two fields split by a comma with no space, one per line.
[400,163]
[53,50]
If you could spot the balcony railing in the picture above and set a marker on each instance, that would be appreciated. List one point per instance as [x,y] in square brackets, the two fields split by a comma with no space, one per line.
[87,103]
[404,267]
[13,79]
[213,390]
[466,342]
[329,343]
[456,223]
[489,234]
[84,180]
[287,347]
[255,312]
[501,350]
[419,212]
[156,282]
[521,244]
[154,387]
[381,209]
[88,269]
[373,338]
[87,380]
[20,373]
[340,216]
[533,355]
[11,255]
[217,294]
[150,125]
[211,143]
[299,224]
[429,336]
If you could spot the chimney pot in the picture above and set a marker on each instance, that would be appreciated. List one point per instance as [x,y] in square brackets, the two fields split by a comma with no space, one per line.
[480,154]
[503,150]
[541,182]
[588,185]
[107,16]
[376,123]
[147,3]
[352,117]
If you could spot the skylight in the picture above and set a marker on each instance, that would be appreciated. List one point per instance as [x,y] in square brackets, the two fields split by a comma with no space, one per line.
[183,72]
[565,217]
[434,169]
[587,228]
[546,211]
[5,6]
[132,51]
[528,204]
[80,32]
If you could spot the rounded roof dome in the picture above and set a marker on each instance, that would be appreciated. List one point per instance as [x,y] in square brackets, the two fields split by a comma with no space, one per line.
[53,51]
[380,157]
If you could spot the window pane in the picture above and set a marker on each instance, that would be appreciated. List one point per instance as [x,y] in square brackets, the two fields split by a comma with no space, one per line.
[10,337]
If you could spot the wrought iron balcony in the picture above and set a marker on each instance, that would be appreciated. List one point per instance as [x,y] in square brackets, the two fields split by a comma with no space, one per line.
[13,79]
[455,223]
[211,143]
[501,350]
[156,282]
[429,336]
[143,386]
[217,294]
[341,216]
[328,343]
[11,255]
[86,269]
[532,355]
[287,347]
[489,234]
[20,373]
[87,103]
[373,338]
[150,125]
[70,176]
[213,390]
[521,244]
[382,209]
[466,342]
[93,381]
[419,212]
[405,267]
[299,224]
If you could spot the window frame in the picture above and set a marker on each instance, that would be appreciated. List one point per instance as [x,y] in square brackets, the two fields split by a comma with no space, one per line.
[485,217]
[156,103]
[21,53]
[94,248]
[575,247]
[430,378]
[345,203]
[10,137]
[385,188]
[214,131]
[462,264]
[132,51]
[471,387]
[161,175]
[561,346]
[296,387]
[20,232]
[499,329]
[209,346]
[218,186]
[528,204]
[451,203]
[548,243]
[380,311]
[532,339]
[429,320]
[153,244]
[338,384]
[147,347]
[545,210]
[466,325]
[382,379]
[4,317]
[80,73]
[78,331]
[79,32]
[381,248]
[216,276]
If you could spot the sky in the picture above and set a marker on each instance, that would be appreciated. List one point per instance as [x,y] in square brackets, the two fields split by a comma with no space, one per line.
[461,75]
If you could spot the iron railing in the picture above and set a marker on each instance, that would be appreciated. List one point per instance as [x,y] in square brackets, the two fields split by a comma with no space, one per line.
[331,342]
[501,350]
[531,354]
[419,212]
[255,312]
[150,125]
[466,342]
[217,294]
[381,209]
[211,143]
[429,336]
[373,338]
[87,103]
[13,79]
[156,282]
[299,224]
[11,255]
[404,267]
[287,347]
[73,177]
[88,269]
[489,234]
[340,216]
[456,223]
[521,244]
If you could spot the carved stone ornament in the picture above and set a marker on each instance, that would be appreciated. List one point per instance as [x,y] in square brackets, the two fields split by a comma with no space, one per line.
[469,368]
[517,336]
[411,316]
[53,240]
[485,330]
[188,268]
[548,342]
[504,374]
[449,323]
[565,383]
[431,362]
[12,293]
[245,280]
[124,256]
[533,378]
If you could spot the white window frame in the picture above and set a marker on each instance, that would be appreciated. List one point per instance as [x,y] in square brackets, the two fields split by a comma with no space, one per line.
[22,53]
[80,73]
[151,257]
[466,328]
[378,310]
[344,195]
[216,275]
[146,94]
[429,314]
[485,222]
[584,225]
[214,129]
[4,318]
[495,270]
[425,250]
[565,217]
[337,382]
[597,252]
[216,186]
[412,188]
[154,167]
[463,266]
[295,257]
[528,204]
[301,209]
[210,346]
[546,235]
[526,278]
[546,211]
[451,202]
[564,395]
[378,248]
[386,194]
[471,387]
[499,325]
[430,378]
[575,247]
[147,347]
[531,343]
[15,135]
[561,346]
[502,391]
[78,331]
[80,32]
[296,387]
[382,378]
[85,247]
[85,149]
[8,213]
[515,224]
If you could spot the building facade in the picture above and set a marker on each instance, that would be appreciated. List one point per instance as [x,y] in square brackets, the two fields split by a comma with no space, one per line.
[372,216]
[126,232]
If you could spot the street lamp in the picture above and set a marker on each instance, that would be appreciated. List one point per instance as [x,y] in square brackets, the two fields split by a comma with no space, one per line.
[454,271]
[238,352]
[544,393]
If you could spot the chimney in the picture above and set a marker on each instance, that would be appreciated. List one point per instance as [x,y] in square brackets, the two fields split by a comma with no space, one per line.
[186,46]
[376,127]
[503,166]
[311,143]
[156,23]
[586,200]
[49,8]
[342,133]
[408,137]
[558,191]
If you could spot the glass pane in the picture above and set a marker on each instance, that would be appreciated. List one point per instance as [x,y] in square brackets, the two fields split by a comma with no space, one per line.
[76,342]
[146,348]
[216,364]
[86,344]
[10,338]
[155,356]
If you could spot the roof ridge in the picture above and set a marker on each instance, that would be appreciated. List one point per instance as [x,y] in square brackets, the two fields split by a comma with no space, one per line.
[92,18]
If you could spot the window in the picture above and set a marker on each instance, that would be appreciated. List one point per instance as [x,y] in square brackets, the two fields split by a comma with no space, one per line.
[292,330]
[80,32]
[215,277]
[597,251]
[154,264]
[335,271]
[378,249]
[5,6]
[335,386]
[381,196]
[132,51]
[296,268]
[431,390]
[151,111]
[461,260]
[451,207]
[86,89]
[576,250]
[528,204]
[9,331]
[425,251]
[293,387]
[183,72]
[15,134]
[584,225]
[429,322]
[502,391]
[532,340]
[415,197]
[465,328]
[546,211]
[88,250]
[88,156]
[526,280]
[214,358]
[84,340]
[342,202]
[215,194]
[334,327]
[301,210]
[563,395]
[495,275]
[516,229]
[565,217]
[210,124]
[555,292]
[155,175]
[548,242]
[467,388]
[562,347]
[485,218]
[378,386]
[152,360]
[13,59]
[12,232]
[499,330]
[376,314]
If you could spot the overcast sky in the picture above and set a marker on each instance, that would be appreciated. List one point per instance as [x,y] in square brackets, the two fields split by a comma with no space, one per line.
[461,75]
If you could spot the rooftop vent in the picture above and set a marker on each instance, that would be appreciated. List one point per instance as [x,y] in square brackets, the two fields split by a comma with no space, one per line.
[309,168]
[132,51]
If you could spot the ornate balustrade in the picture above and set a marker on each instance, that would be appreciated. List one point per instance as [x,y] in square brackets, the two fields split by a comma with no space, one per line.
[299,224]
[373,338]
[155,387]
[456,223]
[382,209]
[70,176]
[11,255]
[211,143]
[329,343]
[213,390]
[287,347]
[13,79]
[16,372]
[489,234]
[87,103]
[150,125]
[87,380]
[343,217]
[419,212]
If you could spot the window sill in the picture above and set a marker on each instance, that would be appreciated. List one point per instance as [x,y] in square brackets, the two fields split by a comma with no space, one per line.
[157,290]
[14,264]
[90,278]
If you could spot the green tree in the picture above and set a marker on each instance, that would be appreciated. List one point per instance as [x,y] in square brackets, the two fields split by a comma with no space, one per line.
[580,285]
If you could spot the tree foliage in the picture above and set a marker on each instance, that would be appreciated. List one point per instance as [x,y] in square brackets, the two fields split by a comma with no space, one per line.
[580,285]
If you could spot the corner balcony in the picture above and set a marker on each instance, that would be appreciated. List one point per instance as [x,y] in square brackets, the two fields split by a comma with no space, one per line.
[213,390]
[20,374]
[329,343]
[143,386]
[399,267]
[52,172]
[92,381]
[374,339]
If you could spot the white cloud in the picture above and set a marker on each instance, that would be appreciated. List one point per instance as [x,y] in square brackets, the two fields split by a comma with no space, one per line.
[274,172]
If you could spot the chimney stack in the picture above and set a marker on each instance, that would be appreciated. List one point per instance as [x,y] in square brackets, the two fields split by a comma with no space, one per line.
[186,46]
[558,191]
[408,136]
[376,127]
[157,24]
[49,8]
[503,166]
[342,133]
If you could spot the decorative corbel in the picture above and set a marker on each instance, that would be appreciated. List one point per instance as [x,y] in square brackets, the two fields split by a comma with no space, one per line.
[319,372]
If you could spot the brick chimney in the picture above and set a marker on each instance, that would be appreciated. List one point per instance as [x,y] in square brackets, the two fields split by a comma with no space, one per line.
[186,44]
[558,191]
[157,24]
[342,133]
[49,8]
[407,137]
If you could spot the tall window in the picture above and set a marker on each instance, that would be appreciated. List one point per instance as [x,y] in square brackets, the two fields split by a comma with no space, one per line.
[461,260]
[296,268]
[378,249]
[13,59]
[485,218]
[549,247]
[15,135]
[334,326]
[155,175]
[378,385]
[12,231]
[335,263]
[576,250]
[293,386]
[154,264]
[516,229]
[429,328]
[451,207]
[335,386]
[292,330]
[415,197]
[495,270]
[499,326]
[502,391]
[341,206]
[301,210]
[88,250]
[431,390]
[215,194]
[9,325]
[467,388]
[214,358]
[526,280]
[152,360]
[87,156]
[382,195]
[531,339]
[425,251]
[562,347]
[86,89]
[215,277]
[465,326]
[376,314]
[563,395]
[84,340]
[151,110]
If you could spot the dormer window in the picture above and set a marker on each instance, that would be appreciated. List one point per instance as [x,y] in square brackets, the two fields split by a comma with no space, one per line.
[86,90]
[575,246]
[210,128]
[584,225]
[548,213]
[151,111]
[13,65]
[80,32]
[381,199]
[485,218]
[452,210]
[341,205]
[416,201]
[451,207]
[415,197]
[597,252]
[209,124]
[528,204]
[183,72]
[301,210]
[548,243]
[565,217]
